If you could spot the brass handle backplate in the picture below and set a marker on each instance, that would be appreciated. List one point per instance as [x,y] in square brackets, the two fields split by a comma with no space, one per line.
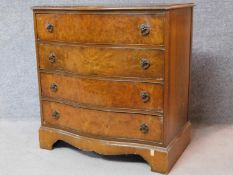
[52,57]
[145,64]
[145,96]
[144,128]
[145,29]
[53,87]
[49,27]
[55,114]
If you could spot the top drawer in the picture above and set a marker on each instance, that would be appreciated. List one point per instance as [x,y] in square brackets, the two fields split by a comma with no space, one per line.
[101,28]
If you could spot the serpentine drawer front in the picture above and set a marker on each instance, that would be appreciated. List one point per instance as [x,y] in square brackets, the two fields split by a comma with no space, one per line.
[147,63]
[102,28]
[92,92]
[103,124]
[115,80]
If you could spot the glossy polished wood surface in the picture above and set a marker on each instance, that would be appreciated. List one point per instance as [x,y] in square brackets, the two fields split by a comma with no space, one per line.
[101,28]
[160,159]
[102,93]
[103,124]
[138,6]
[116,80]
[179,71]
[103,61]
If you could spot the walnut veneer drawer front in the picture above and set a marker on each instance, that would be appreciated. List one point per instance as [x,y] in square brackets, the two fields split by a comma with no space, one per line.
[101,28]
[103,61]
[103,93]
[103,124]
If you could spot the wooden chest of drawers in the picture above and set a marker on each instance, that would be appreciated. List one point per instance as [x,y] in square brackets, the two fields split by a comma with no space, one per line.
[115,80]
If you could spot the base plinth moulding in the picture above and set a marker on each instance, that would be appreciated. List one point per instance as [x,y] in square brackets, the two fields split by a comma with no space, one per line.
[161,159]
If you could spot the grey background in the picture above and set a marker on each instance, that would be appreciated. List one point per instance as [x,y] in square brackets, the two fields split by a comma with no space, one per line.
[212,63]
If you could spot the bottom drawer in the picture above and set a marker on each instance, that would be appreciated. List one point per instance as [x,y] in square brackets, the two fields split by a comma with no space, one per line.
[103,124]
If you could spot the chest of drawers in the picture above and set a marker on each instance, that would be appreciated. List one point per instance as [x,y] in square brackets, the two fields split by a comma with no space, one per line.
[115,80]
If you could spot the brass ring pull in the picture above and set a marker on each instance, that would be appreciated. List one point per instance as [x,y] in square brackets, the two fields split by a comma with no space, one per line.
[145,64]
[52,57]
[49,27]
[53,87]
[144,128]
[145,96]
[145,29]
[55,114]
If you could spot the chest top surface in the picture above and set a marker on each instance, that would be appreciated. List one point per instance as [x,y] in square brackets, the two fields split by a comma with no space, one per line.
[147,6]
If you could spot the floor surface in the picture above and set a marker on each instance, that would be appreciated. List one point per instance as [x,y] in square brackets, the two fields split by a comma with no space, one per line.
[210,153]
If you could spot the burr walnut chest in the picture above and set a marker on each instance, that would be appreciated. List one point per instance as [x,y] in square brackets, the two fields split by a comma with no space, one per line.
[115,80]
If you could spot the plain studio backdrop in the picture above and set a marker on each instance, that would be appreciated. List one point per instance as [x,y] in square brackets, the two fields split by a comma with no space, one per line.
[212,63]
[211,98]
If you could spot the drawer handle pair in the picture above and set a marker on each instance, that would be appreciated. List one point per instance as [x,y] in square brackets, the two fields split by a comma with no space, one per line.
[145,96]
[144,128]
[144,62]
[144,28]
[55,114]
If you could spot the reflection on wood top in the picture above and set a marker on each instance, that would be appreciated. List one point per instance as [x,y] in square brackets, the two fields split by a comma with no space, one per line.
[147,6]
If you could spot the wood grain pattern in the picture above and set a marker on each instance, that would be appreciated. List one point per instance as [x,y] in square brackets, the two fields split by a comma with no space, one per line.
[99,104]
[160,159]
[103,61]
[110,29]
[103,124]
[103,93]
[178,61]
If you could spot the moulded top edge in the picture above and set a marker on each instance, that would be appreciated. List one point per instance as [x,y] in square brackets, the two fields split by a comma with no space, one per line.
[148,6]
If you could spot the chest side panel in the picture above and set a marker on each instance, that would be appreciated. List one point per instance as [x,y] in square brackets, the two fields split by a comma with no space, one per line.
[178,71]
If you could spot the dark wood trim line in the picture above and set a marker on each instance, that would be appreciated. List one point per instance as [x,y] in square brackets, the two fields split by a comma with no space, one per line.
[106,109]
[136,6]
[86,12]
[166,75]
[37,65]
[190,62]
[152,46]
[119,79]
[117,46]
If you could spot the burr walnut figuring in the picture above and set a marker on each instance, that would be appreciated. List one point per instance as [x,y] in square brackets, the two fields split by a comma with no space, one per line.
[115,80]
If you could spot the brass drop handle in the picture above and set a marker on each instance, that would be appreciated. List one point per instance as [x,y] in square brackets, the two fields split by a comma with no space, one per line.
[55,114]
[145,96]
[53,87]
[49,27]
[145,29]
[52,57]
[144,128]
[145,63]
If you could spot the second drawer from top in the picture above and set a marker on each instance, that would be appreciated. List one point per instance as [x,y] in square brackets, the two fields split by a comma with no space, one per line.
[103,61]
